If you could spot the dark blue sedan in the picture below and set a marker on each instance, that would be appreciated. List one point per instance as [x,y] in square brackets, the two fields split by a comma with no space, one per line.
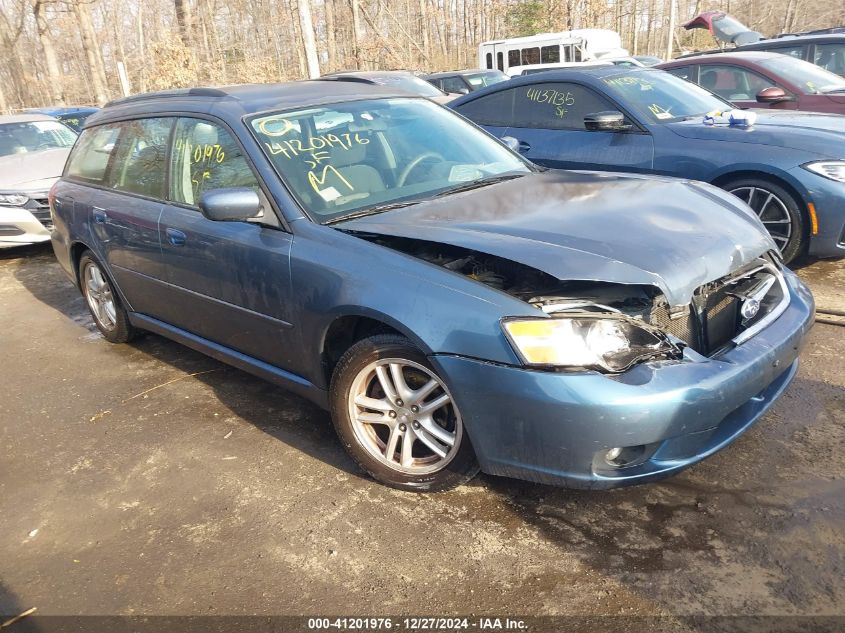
[454,306]
[788,166]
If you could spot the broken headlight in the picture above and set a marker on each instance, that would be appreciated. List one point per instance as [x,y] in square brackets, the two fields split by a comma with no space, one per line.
[604,343]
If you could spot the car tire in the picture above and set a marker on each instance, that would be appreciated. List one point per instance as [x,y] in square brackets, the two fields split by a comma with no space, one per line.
[103,302]
[397,419]
[773,204]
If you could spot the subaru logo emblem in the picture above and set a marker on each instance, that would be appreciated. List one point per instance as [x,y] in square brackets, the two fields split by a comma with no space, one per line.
[750,308]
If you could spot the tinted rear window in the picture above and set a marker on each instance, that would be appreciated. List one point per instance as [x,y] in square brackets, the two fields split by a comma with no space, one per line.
[89,159]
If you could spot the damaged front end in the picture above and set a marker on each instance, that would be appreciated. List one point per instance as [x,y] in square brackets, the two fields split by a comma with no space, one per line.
[610,327]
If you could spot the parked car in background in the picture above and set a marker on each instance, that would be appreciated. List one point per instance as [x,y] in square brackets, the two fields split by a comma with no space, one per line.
[789,167]
[454,306]
[465,81]
[73,116]
[395,79]
[764,80]
[533,69]
[33,151]
[822,47]
[648,60]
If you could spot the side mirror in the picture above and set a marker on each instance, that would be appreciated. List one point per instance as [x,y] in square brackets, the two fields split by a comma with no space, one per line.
[230,205]
[510,142]
[609,121]
[773,94]
[463,91]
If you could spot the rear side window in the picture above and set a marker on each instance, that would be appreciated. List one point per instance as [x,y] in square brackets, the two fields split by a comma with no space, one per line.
[495,109]
[831,57]
[205,157]
[793,51]
[550,54]
[89,159]
[139,160]
[684,72]
[453,84]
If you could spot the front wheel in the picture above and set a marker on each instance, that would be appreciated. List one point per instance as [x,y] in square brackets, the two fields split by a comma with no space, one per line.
[397,419]
[778,210]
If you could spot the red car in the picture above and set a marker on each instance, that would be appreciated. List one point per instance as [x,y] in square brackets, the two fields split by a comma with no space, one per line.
[764,80]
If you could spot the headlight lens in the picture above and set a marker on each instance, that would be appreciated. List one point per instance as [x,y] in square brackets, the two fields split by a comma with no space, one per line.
[14,199]
[833,169]
[604,343]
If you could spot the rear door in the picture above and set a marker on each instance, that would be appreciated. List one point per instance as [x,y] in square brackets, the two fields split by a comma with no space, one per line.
[229,282]
[125,168]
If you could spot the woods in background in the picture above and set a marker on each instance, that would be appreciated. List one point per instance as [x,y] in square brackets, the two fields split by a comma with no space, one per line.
[67,51]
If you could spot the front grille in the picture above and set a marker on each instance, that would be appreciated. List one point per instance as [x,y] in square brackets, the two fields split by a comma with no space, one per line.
[714,318]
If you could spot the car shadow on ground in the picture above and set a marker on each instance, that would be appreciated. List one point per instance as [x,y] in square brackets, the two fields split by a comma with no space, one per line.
[292,419]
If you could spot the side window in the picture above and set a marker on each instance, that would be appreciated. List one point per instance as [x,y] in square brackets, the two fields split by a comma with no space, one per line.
[489,59]
[732,82]
[550,54]
[495,109]
[831,57]
[793,51]
[567,53]
[556,106]
[513,58]
[500,61]
[531,55]
[139,158]
[684,72]
[204,157]
[90,156]
[453,84]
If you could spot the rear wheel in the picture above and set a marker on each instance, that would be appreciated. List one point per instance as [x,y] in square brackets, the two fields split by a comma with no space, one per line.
[109,314]
[778,209]
[397,418]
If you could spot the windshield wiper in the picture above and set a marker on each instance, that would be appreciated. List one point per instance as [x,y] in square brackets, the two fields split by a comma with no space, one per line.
[480,182]
[374,210]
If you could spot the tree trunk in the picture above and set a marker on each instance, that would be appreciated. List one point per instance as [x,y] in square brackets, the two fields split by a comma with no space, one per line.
[54,73]
[356,32]
[183,20]
[670,39]
[90,46]
[308,40]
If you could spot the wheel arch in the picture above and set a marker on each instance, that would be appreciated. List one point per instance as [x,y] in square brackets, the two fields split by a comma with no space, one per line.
[76,250]
[347,328]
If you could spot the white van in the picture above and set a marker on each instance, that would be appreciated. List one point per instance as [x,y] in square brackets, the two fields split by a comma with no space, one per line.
[579,45]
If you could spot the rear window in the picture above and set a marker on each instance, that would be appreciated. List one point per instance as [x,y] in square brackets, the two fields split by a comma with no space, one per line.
[89,159]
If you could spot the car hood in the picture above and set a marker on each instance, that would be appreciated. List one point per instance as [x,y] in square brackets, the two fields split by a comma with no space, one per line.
[809,131]
[590,226]
[32,171]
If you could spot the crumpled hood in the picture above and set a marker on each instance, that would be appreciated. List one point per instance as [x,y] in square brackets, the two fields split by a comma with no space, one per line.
[591,226]
[809,131]
[32,171]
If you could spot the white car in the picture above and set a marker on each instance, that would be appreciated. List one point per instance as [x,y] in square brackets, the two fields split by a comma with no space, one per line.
[33,151]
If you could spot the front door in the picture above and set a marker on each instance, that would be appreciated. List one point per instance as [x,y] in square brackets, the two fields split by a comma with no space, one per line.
[229,281]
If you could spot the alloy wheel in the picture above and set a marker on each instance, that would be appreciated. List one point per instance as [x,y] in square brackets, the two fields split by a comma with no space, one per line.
[404,416]
[771,210]
[98,292]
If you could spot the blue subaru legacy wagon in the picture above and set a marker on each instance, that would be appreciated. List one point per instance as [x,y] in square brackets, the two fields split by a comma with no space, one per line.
[455,307]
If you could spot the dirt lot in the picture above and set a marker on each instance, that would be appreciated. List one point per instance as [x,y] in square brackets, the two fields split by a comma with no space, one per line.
[149,479]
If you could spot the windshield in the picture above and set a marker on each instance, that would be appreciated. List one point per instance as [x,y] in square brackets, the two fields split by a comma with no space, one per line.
[411,84]
[486,79]
[662,97]
[34,136]
[811,79]
[350,158]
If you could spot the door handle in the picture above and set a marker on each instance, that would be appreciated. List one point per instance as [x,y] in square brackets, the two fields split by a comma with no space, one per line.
[175,237]
[524,147]
[100,215]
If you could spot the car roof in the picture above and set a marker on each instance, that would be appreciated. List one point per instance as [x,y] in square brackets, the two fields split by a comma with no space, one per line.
[749,56]
[452,73]
[367,74]
[59,111]
[797,37]
[25,118]
[234,102]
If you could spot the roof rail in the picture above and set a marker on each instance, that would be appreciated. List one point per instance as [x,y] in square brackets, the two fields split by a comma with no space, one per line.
[831,30]
[181,92]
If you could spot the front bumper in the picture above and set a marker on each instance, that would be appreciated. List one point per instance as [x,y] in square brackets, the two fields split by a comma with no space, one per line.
[21,225]
[828,197]
[554,428]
